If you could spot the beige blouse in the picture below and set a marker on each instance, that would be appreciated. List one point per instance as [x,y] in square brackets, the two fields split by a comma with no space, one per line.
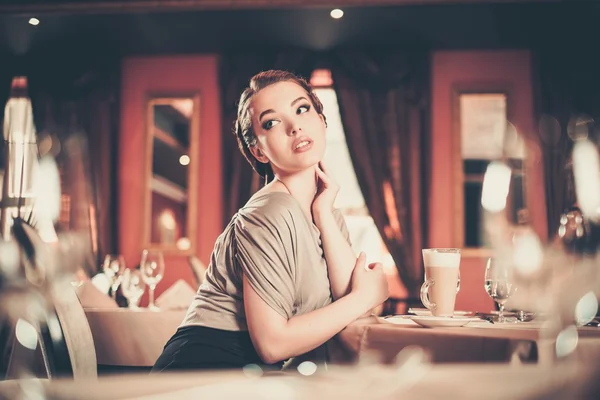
[278,248]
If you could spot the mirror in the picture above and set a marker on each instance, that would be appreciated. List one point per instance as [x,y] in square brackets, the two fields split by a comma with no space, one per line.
[171,159]
[483,133]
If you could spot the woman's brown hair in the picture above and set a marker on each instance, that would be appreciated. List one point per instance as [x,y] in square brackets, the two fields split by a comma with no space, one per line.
[243,130]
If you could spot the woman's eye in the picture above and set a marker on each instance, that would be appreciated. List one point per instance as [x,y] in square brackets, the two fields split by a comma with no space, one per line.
[303,109]
[269,124]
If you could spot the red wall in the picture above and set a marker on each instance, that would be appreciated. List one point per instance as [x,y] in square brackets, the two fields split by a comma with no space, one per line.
[448,69]
[141,75]
[169,74]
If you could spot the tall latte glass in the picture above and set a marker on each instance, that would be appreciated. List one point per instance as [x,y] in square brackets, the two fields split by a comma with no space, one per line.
[438,292]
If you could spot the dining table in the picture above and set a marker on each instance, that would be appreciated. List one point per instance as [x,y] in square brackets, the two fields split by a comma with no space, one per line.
[381,339]
[134,338]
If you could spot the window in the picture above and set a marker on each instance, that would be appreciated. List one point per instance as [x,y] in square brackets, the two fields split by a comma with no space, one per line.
[484,134]
[363,232]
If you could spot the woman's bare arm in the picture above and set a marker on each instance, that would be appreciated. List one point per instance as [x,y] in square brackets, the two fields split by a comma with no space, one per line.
[338,253]
[277,339]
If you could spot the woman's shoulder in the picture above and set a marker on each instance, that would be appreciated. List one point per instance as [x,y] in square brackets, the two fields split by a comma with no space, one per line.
[270,208]
[271,204]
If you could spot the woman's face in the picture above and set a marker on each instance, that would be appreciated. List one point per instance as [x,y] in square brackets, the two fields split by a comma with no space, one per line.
[290,133]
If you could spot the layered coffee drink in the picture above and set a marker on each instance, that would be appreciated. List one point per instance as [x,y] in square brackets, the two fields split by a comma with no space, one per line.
[438,293]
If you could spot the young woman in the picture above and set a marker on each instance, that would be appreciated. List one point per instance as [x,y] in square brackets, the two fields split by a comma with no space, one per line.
[282,279]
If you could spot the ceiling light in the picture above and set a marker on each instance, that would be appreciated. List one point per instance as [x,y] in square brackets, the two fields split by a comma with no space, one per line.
[35,21]
[336,13]
[184,160]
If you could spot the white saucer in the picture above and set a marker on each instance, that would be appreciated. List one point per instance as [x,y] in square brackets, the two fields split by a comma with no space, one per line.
[424,312]
[442,322]
[399,319]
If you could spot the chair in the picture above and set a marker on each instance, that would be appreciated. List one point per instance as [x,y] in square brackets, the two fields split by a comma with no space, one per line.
[76,332]
[16,359]
[69,354]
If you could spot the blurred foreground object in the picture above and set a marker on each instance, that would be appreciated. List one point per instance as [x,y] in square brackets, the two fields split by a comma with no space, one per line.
[19,156]
[42,332]
[23,182]
[557,282]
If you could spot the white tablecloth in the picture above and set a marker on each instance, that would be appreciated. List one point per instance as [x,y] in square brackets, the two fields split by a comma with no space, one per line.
[476,342]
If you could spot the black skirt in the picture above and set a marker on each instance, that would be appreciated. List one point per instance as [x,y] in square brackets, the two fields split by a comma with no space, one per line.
[199,347]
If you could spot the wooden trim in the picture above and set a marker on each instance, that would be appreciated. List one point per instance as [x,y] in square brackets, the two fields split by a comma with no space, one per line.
[134,6]
[458,89]
[193,178]
[148,175]
[168,189]
[193,173]
[168,139]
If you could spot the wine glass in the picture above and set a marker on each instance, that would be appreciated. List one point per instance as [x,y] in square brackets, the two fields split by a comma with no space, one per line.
[498,284]
[113,268]
[152,267]
[133,286]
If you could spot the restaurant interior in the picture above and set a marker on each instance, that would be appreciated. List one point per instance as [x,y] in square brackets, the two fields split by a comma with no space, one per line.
[456,128]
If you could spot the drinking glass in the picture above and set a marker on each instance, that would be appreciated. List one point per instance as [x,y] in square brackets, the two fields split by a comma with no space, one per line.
[133,287]
[442,280]
[113,267]
[498,284]
[152,267]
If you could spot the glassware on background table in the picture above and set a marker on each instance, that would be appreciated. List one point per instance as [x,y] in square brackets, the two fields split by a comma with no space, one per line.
[152,267]
[133,287]
[113,267]
[498,284]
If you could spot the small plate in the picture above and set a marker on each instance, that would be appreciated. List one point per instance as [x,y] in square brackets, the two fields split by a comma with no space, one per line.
[399,319]
[423,312]
[442,322]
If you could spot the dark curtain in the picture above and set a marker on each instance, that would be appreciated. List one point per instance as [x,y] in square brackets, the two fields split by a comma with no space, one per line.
[235,71]
[383,104]
[567,90]
[80,100]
